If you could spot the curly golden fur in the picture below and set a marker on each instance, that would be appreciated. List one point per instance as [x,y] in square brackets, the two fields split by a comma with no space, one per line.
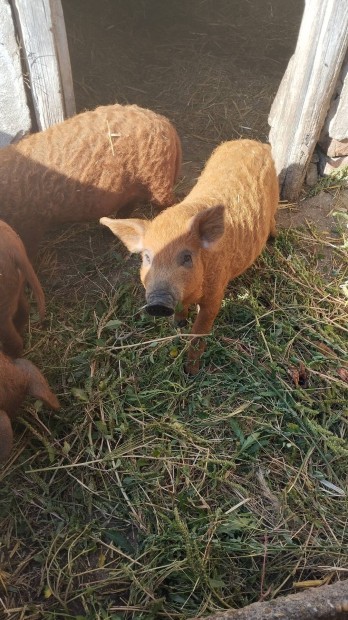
[19,378]
[193,249]
[15,271]
[90,165]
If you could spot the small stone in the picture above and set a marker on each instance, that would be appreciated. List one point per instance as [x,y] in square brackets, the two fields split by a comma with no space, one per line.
[333,164]
[337,148]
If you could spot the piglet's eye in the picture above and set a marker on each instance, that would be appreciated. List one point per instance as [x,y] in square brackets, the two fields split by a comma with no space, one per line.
[146,258]
[186,259]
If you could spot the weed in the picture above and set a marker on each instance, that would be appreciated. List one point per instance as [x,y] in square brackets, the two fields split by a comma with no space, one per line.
[153,495]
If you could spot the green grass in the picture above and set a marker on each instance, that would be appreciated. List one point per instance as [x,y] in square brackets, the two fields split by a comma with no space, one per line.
[153,495]
[336,180]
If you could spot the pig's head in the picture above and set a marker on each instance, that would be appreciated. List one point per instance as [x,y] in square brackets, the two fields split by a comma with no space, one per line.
[173,247]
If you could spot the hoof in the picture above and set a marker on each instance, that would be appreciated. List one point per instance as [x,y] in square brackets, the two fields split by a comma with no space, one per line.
[181,323]
[191,369]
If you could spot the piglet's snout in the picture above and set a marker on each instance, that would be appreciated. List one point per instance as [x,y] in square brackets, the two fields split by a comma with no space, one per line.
[160,303]
[159,310]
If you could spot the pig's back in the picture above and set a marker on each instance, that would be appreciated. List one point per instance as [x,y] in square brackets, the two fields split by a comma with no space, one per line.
[240,175]
[102,155]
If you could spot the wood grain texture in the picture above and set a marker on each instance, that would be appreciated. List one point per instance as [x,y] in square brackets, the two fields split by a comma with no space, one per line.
[15,116]
[63,57]
[301,104]
[338,125]
[323,603]
[40,46]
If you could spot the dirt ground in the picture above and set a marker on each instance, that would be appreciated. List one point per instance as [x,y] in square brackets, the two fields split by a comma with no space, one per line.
[212,66]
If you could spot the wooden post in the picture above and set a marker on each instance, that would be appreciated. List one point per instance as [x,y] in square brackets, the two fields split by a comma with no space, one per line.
[63,56]
[15,116]
[333,139]
[338,125]
[323,603]
[41,27]
[299,109]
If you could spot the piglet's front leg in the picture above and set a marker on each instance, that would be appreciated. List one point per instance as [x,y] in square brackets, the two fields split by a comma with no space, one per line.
[202,325]
[180,316]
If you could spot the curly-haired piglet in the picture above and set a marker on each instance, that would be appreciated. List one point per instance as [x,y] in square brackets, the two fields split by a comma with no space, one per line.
[93,164]
[193,249]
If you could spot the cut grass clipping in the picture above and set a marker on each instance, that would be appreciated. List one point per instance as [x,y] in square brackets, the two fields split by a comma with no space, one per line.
[153,495]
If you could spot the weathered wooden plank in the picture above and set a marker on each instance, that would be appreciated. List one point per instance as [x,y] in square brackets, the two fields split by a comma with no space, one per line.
[303,99]
[36,28]
[15,116]
[338,125]
[333,139]
[316,603]
[63,57]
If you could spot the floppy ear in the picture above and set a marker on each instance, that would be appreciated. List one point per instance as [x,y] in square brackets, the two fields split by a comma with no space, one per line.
[37,384]
[209,225]
[131,232]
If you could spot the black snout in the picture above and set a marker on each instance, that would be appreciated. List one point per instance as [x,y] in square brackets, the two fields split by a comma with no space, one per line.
[160,302]
[159,310]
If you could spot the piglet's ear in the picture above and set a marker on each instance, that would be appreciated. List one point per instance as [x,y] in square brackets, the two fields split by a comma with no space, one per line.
[209,225]
[131,232]
[37,384]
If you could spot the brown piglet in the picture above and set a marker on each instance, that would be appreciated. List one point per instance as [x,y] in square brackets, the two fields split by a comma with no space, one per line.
[193,249]
[97,163]
[15,271]
[19,378]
